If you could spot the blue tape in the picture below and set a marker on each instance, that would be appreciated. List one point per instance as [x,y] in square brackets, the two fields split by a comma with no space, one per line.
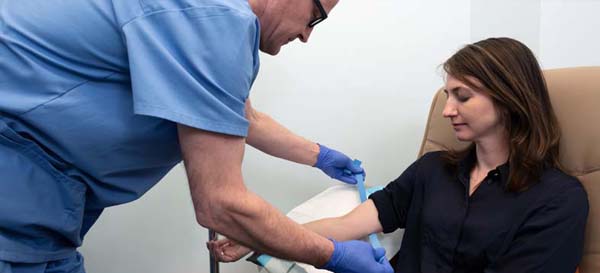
[374,189]
[360,184]
[263,259]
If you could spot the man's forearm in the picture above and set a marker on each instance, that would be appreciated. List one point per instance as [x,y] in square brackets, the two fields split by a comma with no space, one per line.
[248,219]
[223,203]
[270,137]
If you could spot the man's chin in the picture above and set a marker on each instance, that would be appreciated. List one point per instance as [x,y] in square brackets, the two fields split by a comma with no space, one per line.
[270,50]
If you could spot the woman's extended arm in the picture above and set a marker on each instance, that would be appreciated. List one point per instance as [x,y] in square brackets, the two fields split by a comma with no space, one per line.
[356,224]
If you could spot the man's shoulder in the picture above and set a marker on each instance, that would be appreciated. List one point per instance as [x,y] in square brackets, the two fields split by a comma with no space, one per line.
[214,7]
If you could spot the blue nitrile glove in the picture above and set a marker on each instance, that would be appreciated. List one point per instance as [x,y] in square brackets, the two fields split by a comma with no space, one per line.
[357,257]
[337,165]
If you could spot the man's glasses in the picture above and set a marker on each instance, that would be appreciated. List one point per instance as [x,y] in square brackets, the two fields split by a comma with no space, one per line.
[319,19]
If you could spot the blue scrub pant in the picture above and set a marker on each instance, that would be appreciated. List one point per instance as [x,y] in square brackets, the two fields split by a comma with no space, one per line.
[41,209]
[72,264]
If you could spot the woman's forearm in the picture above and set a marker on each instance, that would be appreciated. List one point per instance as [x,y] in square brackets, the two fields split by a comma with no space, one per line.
[357,224]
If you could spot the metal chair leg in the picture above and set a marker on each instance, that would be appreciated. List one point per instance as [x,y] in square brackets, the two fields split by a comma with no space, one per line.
[214,264]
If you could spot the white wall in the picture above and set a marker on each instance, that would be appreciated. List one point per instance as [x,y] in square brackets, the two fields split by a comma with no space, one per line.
[570,33]
[519,19]
[363,85]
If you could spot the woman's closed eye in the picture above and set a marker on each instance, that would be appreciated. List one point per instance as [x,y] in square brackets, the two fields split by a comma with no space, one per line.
[463,98]
[462,95]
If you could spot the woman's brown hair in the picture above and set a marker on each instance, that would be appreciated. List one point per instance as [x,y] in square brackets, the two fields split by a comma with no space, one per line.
[509,73]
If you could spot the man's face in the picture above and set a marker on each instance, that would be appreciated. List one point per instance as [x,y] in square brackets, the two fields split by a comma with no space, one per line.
[285,20]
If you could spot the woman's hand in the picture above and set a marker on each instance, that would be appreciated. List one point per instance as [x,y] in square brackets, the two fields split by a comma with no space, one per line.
[225,250]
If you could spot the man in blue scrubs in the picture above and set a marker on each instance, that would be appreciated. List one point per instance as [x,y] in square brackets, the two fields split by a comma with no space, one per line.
[100,99]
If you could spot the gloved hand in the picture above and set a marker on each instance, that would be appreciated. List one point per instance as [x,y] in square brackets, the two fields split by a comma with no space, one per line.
[357,257]
[333,163]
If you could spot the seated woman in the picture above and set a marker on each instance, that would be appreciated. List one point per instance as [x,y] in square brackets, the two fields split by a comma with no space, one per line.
[501,205]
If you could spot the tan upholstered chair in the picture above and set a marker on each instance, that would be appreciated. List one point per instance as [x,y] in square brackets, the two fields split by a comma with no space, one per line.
[575,95]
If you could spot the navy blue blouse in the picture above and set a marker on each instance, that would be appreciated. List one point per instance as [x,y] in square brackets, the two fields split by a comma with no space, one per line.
[493,230]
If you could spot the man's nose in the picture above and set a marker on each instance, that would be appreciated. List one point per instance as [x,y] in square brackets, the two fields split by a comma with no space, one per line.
[305,34]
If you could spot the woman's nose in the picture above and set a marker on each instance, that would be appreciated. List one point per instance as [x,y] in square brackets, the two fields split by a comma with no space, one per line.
[449,110]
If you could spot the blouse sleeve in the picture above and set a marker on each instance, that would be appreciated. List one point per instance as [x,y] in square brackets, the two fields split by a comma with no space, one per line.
[394,200]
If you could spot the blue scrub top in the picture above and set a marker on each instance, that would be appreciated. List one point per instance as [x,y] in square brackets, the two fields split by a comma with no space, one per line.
[90,95]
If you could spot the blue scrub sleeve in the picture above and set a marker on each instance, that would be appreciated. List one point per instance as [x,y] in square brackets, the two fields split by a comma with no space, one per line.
[194,66]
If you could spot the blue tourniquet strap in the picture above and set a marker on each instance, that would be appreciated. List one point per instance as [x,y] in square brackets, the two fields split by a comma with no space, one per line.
[360,184]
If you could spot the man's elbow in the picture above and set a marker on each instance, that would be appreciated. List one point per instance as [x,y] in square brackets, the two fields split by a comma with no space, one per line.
[208,213]
[216,212]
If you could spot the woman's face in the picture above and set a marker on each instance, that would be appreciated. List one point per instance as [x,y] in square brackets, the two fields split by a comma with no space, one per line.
[471,112]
